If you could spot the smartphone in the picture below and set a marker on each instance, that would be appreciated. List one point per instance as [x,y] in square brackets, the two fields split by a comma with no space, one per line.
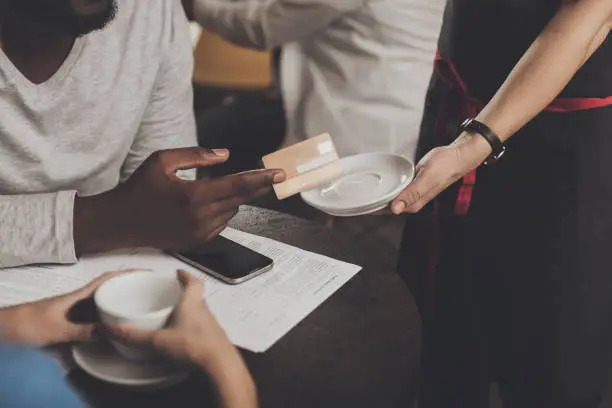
[227,260]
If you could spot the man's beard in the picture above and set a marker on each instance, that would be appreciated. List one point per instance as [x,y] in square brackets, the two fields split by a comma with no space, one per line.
[60,15]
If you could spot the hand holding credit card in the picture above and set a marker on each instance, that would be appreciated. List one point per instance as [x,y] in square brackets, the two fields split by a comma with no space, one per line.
[307,165]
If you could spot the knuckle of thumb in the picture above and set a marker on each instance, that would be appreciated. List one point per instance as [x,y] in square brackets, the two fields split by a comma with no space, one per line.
[82,333]
[411,196]
[129,336]
[120,332]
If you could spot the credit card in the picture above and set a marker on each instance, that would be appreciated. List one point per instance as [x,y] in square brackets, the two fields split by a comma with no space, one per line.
[307,165]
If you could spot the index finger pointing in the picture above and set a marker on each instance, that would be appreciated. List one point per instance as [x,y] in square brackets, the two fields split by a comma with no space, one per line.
[190,158]
[242,184]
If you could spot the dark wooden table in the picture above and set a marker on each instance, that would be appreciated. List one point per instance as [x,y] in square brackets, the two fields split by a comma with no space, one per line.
[359,349]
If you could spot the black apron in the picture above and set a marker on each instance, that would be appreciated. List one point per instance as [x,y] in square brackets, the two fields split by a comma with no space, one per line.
[519,286]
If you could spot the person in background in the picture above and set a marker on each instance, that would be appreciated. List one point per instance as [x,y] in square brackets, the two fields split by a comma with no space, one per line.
[511,261]
[355,69]
[31,379]
[97,130]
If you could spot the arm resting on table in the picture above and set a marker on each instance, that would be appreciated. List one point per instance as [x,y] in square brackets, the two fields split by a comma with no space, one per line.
[36,228]
[55,228]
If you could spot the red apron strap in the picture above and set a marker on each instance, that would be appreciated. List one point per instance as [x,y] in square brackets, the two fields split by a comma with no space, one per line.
[564,105]
[471,107]
[449,74]
[464,199]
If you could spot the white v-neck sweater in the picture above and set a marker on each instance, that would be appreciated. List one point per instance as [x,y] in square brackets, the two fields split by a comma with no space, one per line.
[121,94]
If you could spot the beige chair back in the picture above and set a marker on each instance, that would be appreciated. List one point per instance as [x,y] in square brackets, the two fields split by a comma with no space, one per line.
[221,64]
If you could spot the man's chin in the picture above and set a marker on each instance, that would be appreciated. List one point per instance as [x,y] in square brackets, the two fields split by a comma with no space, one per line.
[63,17]
[80,25]
[90,7]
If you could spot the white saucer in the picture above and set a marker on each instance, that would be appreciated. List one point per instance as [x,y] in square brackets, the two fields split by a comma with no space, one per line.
[355,212]
[102,361]
[368,184]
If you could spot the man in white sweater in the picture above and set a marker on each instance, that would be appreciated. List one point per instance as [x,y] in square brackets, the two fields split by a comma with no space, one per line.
[97,117]
[358,69]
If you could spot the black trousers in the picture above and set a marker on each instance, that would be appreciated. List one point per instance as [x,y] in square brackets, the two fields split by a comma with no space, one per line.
[521,290]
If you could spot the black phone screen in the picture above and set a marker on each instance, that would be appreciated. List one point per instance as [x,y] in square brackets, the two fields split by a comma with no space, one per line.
[226,258]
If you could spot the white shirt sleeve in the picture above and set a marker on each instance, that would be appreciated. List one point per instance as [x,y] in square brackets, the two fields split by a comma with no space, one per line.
[37,228]
[168,121]
[269,23]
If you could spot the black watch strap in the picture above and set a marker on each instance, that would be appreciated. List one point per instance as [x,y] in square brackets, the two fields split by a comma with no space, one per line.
[497,147]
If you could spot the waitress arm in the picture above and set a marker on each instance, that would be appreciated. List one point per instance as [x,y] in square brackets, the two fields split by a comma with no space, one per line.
[569,40]
[265,24]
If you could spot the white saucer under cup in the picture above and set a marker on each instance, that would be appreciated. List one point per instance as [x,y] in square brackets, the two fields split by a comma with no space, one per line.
[103,362]
[369,183]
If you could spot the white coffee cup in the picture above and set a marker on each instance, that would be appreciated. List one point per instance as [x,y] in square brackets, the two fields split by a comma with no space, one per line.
[143,300]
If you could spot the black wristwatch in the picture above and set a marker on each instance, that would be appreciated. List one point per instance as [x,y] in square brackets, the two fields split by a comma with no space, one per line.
[497,147]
